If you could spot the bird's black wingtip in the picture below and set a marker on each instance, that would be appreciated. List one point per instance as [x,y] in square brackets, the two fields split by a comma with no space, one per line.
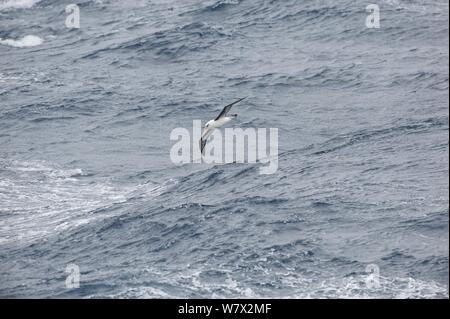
[202,146]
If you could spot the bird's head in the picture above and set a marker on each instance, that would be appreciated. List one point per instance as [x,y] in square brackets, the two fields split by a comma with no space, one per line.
[208,124]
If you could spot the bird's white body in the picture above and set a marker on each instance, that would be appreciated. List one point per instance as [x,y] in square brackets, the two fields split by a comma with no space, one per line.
[210,126]
[218,123]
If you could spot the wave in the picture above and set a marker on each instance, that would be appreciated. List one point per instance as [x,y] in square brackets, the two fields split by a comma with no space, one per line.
[26,41]
[219,5]
[170,43]
[17,4]
[366,135]
[40,199]
[225,283]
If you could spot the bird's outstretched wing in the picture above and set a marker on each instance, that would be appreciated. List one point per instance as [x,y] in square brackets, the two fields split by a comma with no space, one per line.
[206,133]
[227,108]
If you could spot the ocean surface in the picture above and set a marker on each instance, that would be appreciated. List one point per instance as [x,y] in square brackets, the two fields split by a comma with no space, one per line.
[359,206]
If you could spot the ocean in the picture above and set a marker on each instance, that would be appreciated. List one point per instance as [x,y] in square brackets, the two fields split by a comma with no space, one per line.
[92,206]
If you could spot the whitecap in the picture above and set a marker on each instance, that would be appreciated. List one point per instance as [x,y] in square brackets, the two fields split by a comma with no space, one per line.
[17,4]
[39,199]
[26,41]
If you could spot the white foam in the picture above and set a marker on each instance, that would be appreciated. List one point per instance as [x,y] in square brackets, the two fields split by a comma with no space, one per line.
[26,41]
[17,4]
[39,199]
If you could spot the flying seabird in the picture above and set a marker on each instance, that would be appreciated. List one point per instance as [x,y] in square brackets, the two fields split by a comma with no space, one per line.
[220,120]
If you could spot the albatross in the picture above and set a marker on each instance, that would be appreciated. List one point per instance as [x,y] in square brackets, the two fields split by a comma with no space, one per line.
[220,120]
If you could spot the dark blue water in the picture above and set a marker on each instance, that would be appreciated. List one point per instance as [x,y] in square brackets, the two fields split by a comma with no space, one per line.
[86,177]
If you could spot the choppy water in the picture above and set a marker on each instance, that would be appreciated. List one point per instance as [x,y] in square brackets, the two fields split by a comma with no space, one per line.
[86,178]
